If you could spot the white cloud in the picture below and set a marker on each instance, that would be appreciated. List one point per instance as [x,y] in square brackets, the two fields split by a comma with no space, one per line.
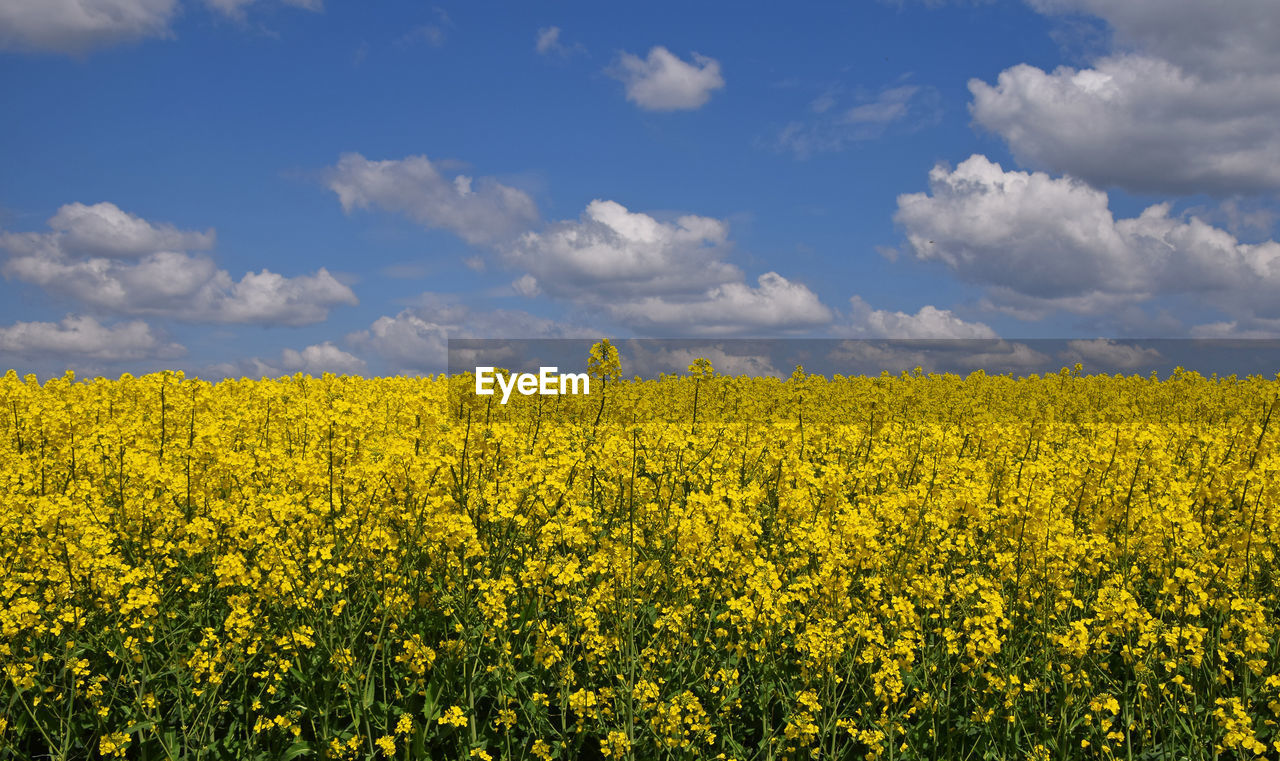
[649,359]
[834,129]
[1196,35]
[527,286]
[927,322]
[889,106]
[1005,357]
[321,358]
[416,339]
[1139,123]
[79,26]
[135,276]
[186,288]
[1244,328]
[659,276]
[958,356]
[548,40]
[235,9]
[872,358]
[1043,243]
[81,338]
[434,34]
[775,304]
[103,229]
[663,82]
[481,211]
[611,253]
[1188,102]
[1106,354]
[408,342]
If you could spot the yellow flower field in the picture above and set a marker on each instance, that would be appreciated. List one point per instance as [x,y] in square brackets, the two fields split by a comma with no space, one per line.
[914,566]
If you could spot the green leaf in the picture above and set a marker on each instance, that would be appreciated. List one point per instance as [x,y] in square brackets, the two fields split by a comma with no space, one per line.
[299,748]
[430,709]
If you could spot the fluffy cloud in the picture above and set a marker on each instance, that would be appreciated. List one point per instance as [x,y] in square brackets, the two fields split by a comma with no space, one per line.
[659,276]
[1044,243]
[1139,123]
[1197,36]
[314,360]
[480,211]
[649,359]
[78,26]
[611,253]
[81,338]
[103,229]
[867,357]
[652,275]
[321,358]
[1247,328]
[663,82]
[927,322]
[1190,104]
[526,285]
[126,274]
[416,340]
[775,304]
[1107,354]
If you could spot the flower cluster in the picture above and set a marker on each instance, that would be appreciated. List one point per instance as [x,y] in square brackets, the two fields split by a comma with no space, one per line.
[920,566]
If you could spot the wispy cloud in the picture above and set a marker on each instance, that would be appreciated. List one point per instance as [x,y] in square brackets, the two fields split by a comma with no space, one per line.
[835,125]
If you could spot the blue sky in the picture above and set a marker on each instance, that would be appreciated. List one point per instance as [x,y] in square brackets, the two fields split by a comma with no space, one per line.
[256,186]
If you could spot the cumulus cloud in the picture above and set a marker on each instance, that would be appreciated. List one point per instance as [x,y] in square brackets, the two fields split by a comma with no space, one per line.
[416,339]
[186,288]
[78,26]
[1109,355]
[657,276]
[81,337]
[103,229]
[1040,243]
[835,129]
[1003,357]
[927,322]
[108,259]
[1189,102]
[871,357]
[611,252]
[1139,123]
[321,358]
[1197,36]
[775,304]
[1247,328]
[663,82]
[481,211]
[648,360]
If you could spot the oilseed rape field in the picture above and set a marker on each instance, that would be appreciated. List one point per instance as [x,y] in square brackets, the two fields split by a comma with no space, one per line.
[700,566]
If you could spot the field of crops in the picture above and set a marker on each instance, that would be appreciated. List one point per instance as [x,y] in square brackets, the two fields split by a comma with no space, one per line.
[917,566]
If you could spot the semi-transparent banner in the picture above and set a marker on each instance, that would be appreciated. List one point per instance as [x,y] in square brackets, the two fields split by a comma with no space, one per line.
[650,358]
[702,379]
